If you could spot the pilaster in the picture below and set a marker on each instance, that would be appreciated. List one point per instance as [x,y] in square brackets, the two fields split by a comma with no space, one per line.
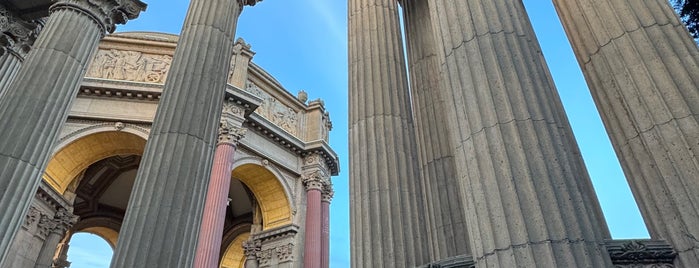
[526,191]
[641,66]
[167,202]
[386,215]
[49,78]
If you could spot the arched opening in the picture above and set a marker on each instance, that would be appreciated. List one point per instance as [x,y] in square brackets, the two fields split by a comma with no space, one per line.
[89,250]
[269,193]
[233,256]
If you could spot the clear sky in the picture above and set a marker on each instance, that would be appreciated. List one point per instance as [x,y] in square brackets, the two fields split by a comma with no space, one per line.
[303,43]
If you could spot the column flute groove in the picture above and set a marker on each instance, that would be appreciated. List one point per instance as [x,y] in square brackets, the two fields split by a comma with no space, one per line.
[387,214]
[36,103]
[519,174]
[641,67]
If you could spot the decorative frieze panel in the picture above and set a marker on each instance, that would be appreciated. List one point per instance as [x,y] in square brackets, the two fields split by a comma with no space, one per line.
[130,66]
[271,109]
[641,254]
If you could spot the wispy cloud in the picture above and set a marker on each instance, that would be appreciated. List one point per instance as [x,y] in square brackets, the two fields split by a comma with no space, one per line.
[334,19]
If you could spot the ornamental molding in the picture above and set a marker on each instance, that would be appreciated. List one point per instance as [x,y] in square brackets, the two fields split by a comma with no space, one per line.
[106,13]
[641,253]
[283,253]
[277,234]
[252,248]
[17,35]
[230,132]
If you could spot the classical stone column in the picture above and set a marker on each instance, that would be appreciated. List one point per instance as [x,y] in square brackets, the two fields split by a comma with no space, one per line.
[642,68]
[60,223]
[16,38]
[520,173]
[252,249]
[313,182]
[446,220]
[326,198]
[386,213]
[229,134]
[165,209]
[36,104]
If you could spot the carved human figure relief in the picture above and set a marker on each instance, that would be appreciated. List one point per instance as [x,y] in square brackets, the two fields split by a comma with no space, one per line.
[130,66]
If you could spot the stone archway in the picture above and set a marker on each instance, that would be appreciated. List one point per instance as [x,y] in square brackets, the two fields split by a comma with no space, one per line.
[70,160]
[234,256]
[269,192]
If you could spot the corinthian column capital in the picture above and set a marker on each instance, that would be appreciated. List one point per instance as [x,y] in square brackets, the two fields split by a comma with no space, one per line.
[313,180]
[248,2]
[327,193]
[230,133]
[106,13]
[16,34]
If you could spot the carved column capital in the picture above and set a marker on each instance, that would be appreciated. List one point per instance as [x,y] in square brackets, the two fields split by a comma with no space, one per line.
[16,34]
[64,220]
[106,13]
[230,133]
[327,193]
[248,2]
[313,180]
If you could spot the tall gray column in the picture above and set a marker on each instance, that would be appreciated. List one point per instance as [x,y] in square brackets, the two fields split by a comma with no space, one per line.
[387,216]
[16,38]
[519,171]
[164,214]
[642,68]
[446,218]
[37,102]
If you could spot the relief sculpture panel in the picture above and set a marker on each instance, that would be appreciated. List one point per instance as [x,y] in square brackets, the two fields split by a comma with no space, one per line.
[130,66]
[271,109]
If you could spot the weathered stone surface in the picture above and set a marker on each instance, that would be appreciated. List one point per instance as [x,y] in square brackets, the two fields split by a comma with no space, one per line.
[526,190]
[386,213]
[642,68]
[36,103]
[165,209]
[445,209]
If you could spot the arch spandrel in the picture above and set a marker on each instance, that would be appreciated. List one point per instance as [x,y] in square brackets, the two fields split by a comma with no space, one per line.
[76,156]
[273,200]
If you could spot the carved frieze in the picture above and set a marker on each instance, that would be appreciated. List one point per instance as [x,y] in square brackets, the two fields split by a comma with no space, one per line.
[641,253]
[130,66]
[271,109]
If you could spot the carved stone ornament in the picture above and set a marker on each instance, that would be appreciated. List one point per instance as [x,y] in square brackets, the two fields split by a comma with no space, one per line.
[231,109]
[285,252]
[328,193]
[130,66]
[46,225]
[17,35]
[248,2]
[315,160]
[273,110]
[641,253]
[252,249]
[106,13]
[313,180]
[265,257]
[32,217]
[64,220]
[230,133]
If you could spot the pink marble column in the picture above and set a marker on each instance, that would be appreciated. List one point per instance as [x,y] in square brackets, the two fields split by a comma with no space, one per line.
[325,232]
[211,232]
[314,185]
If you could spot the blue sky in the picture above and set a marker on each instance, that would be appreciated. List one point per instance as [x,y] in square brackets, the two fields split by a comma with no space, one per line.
[303,43]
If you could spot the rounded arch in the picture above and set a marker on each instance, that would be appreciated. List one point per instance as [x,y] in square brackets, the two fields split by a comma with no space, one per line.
[269,192]
[82,151]
[234,256]
[106,228]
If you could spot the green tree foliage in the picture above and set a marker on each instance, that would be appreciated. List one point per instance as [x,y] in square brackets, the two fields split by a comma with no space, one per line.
[689,12]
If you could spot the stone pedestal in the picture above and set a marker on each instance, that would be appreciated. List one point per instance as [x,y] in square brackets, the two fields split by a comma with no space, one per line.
[446,220]
[386,213]
[642,68]
[521,176]
[165,209]
[311,251]
[36,104]
[326,198]
[214,217]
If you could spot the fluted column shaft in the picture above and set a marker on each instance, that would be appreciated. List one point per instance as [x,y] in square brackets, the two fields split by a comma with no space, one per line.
[211,234]
[9,67]
[326,197]
[311,250]
[446,220]
[520,172]
[36,104]
[386,216]
[166,205]
[642,67]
